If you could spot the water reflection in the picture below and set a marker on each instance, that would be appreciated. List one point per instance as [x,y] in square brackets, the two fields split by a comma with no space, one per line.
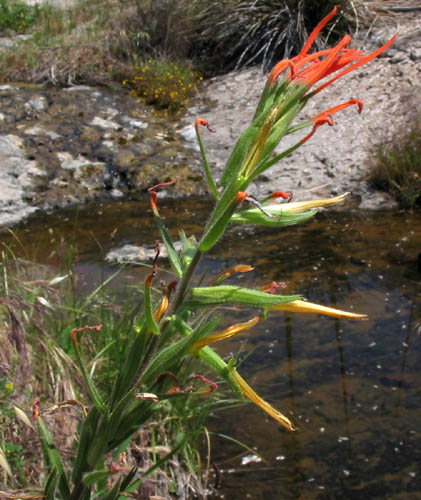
[352,388]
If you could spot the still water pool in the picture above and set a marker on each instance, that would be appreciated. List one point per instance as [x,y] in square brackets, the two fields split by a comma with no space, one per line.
[352,388]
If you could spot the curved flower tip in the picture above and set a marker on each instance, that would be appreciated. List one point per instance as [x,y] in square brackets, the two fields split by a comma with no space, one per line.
[204,123]
[302,306]
[249,393]
[326,116]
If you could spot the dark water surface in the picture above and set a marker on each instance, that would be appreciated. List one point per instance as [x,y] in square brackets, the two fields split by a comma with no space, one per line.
[352,388]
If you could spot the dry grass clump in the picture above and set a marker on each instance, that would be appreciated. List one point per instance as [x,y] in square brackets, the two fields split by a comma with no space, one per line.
[241,33]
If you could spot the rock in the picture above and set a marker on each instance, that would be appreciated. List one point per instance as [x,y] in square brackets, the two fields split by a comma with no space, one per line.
[90,134]
[134,253]
[15,172]
[378,201]
[131,122]
[125,158]
[8,42]
[107,124]
[38,103]
[188,134]
[68,162]
[117,194]
[415,54]
[39,130]
[62,4]
[11,146]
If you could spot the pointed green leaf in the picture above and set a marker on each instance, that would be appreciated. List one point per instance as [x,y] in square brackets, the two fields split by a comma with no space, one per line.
[172,252]
[51,485]
[98,475]
[114,493]
[93,391]
[99,442]
[87,433]
[209,177]
[239,153]
[172,354]
[149,315]
[221,215]
[52,457]
[223,294]
[128,479]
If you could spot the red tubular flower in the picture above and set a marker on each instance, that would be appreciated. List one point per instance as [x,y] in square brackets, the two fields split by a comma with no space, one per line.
[309,69]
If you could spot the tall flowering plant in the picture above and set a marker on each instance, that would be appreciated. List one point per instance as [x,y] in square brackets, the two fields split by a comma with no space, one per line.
[180,322]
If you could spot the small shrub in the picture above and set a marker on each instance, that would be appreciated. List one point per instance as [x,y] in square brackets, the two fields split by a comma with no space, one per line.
[165,84]
[17,16]
[396,165]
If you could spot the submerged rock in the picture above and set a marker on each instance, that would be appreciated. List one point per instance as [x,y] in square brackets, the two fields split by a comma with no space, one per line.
[18,173]
[133,253]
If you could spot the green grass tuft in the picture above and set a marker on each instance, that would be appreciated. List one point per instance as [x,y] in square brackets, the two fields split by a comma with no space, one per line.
[18,16]
[396,165]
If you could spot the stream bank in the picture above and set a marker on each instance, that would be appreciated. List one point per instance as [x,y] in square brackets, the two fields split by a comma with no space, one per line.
[68,146]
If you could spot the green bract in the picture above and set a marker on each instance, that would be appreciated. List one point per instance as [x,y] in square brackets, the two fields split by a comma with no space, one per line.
[279,219]
[216,295]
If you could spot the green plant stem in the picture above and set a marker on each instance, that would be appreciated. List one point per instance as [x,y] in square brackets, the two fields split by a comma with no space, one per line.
[184,284]
[182,288]
[77,492]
